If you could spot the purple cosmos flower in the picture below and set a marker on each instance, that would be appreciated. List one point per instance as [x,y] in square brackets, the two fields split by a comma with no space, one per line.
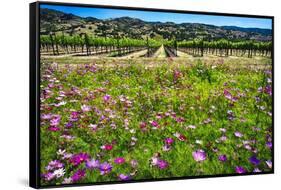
[48,176]
[85,108]
[169,141]
[268,90]
[199,155]
[154,160]
[254,160]
[46,116]
[77,159]
[123,177]
[68,125]
[54,164]
[240,170]
[79,174]
[106,98]
[269,144]
[162,164]
[222,158]
[74,116]
[238,134]
[55,120]
[119,160]
[92,164]
[105,168]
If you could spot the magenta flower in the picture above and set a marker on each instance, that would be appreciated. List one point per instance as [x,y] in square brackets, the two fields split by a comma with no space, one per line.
[107,147]
[162,164]
[105,168]
[106,98]
[222,158]
[169,141]
[254,160]
[240,170]
[78,175]
[77,159]
[123,177]
[119,160]
[53,128]
[199,155]
[154,124]
[92,164]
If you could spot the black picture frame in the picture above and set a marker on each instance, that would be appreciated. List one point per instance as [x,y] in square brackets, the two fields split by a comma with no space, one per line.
[34,91]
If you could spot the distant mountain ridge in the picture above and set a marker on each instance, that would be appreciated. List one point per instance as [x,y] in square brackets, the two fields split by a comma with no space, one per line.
[57,21]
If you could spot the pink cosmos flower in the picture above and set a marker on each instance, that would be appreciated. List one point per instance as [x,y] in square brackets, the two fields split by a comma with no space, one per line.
[238,134]
[92,164]
[162,164]
[119,160]
[154,124]
[85,108]
[199,155]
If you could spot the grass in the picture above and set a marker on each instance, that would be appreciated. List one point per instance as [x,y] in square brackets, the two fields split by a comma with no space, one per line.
[177,94]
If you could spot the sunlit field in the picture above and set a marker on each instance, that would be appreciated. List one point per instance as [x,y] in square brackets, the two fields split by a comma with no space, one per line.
[115,119]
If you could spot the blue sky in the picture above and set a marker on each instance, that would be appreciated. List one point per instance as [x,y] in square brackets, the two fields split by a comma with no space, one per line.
[107,13]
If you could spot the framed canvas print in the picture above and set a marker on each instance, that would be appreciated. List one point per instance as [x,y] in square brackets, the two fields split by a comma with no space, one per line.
[122,94]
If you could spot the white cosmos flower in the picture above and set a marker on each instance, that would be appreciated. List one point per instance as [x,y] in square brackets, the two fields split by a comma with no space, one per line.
[60,152]
[59,172]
